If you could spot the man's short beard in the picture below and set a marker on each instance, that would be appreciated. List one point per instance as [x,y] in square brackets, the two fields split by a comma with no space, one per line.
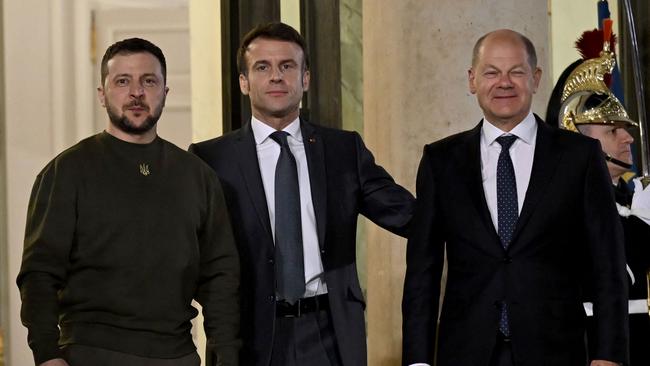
[124,124]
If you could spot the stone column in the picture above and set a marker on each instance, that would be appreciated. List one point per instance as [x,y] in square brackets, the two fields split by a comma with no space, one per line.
[415,60]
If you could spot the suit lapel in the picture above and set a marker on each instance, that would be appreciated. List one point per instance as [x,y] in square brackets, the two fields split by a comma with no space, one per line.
[545,162]
[314,151]
[249,167]
[470,170]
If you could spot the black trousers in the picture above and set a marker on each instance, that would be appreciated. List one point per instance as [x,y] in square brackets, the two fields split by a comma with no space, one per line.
[502,353]
[79,355]
[305,340]
[639,339]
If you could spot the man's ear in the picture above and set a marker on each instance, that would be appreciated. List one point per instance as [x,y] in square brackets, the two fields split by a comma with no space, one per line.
[537,76]
[471,79]
[243,84]
[101,96]
[306,77]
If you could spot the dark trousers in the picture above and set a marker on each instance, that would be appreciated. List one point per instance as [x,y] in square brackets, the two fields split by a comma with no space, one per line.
[502,353]
[305,340]
[639,339]
[79,355]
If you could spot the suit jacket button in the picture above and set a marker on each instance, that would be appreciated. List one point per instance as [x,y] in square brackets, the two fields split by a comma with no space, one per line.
[270,260]
[271,298]
[507,260]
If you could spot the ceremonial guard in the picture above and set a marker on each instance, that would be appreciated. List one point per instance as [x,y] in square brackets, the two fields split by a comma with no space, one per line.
[590,108]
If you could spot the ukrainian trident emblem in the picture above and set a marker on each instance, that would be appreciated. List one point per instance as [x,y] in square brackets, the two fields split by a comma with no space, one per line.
[144,169]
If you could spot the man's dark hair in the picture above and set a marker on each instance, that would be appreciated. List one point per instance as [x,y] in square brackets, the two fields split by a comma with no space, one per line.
[275,31]
[530,49]
[131,46]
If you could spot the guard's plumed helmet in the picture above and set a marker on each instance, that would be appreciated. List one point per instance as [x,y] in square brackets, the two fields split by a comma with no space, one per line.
[586,99]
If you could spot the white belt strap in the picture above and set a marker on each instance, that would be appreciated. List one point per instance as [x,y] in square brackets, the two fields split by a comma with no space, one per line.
[629,271]
[634,307]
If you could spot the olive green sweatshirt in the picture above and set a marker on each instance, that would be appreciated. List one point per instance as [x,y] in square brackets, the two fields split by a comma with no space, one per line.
[120,238]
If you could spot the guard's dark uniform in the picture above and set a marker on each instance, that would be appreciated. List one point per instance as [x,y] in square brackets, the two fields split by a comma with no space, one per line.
[637,251]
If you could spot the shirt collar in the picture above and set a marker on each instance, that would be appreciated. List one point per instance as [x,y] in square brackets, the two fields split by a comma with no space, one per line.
[262,131]
[526,130]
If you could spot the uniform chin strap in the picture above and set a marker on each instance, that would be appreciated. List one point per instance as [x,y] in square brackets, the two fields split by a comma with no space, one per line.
[617,162]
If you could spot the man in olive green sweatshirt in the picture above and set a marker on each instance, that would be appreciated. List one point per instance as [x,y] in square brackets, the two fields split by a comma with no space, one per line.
[123,231]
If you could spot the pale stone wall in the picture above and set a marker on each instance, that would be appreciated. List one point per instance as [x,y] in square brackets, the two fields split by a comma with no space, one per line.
[4,314]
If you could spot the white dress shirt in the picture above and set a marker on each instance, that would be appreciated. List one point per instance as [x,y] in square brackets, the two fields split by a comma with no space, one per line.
[522,152]
[268,152]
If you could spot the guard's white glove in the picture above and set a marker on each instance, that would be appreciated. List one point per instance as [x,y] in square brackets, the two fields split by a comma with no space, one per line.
[641,201]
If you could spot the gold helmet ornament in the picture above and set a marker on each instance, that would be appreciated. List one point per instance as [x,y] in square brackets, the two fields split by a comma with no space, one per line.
[586,98]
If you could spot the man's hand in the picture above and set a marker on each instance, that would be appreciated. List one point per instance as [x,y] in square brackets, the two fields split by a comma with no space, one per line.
[55,362]
[604,363]
[641,201]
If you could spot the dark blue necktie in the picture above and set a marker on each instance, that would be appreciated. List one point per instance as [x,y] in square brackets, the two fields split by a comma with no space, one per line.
[507,209]
[289,266]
